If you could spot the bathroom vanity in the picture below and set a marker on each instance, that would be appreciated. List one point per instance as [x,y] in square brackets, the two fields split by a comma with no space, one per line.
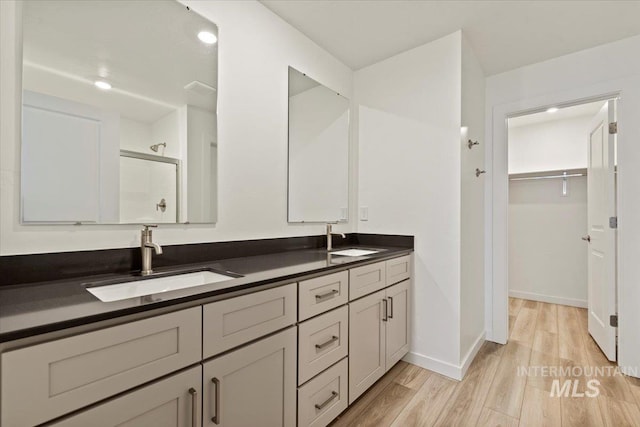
[290,343]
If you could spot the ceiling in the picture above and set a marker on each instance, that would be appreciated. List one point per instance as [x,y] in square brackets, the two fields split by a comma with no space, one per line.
[582,110]
[504,34]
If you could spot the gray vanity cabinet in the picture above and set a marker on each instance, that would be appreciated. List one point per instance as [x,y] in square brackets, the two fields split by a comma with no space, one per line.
[254,385]
[378,322]
[171,402]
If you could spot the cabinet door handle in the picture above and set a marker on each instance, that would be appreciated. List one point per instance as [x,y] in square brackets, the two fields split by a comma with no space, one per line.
[332,293]
[321,406]
[324,344]
[385,315]
[194,407]
[390,307]
[216,415]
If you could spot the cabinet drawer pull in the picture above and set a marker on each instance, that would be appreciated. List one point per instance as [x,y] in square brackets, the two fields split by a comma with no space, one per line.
[216,416]
[332,293]
[385,310]
[321,406]
[194,407]
[390,307]
[331,341]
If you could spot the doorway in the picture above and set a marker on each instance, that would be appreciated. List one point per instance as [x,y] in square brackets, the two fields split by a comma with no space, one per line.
[561,215]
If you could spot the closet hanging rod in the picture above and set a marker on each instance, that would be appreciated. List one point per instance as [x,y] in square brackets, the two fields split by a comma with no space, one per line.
[570,173]
[548,177]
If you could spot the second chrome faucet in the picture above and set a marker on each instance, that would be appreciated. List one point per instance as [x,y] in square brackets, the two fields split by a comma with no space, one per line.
[146,245]
[330,233]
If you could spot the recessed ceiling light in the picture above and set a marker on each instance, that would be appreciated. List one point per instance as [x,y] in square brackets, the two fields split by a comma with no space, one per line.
[101,84]
[552,109]
[207,37]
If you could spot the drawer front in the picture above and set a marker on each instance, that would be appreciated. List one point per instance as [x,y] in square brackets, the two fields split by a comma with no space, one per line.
[322,341]
[172,402]
[367,279]
[322,294]
[233,322]
[323,398]
[48,380]
[398,269]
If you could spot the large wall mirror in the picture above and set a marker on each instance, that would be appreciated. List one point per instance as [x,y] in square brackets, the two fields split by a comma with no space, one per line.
[119,113]
[318,152]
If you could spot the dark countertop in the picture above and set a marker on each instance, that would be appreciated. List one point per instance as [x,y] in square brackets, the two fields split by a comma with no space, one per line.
[37,308]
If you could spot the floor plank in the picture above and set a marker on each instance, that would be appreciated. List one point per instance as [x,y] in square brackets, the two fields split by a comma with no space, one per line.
[547,317]
[507,389]
[466,403]
[427,404]
[524,327]
[540,409]
[618,413]
[580,411]
[491,418]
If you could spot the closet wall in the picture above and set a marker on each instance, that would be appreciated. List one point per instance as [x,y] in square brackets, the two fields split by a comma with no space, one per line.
[547,258]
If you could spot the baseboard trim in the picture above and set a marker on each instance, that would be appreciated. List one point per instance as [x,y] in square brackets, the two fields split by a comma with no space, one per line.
[441,367]
[550,299]
[471,354]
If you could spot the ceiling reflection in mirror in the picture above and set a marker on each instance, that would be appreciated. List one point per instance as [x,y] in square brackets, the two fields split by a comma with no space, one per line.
[119,120]
[318,151]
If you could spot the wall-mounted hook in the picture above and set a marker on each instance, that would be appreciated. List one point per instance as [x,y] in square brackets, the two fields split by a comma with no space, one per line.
[471,143]
[479,172]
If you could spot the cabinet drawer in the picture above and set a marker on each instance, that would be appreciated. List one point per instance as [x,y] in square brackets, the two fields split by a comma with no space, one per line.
[324,397]
[233,322]
[367,279]
[48,380]
[172,402]
[322,341]
[322,294]
[398,269]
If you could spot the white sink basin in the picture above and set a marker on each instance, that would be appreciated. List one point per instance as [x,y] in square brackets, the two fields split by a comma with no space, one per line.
[139,288]
[354,252]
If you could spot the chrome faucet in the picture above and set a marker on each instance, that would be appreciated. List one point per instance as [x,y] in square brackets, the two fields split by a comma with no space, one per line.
[330,233]
[146,244]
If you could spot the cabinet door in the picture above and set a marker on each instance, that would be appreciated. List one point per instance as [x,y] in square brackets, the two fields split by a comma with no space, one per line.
[366,343]
[398,323]
[172,402]
[254,385]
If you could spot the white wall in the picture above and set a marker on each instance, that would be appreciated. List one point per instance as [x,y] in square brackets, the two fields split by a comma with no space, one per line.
[547,258]
[409,114]
[606,69]
[547,146]
[256,48]
[472,207]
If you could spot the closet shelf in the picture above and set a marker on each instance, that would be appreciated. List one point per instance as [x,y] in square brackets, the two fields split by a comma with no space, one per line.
[555,174]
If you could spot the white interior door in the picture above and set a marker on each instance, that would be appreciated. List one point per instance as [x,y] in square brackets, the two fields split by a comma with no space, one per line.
[601,237]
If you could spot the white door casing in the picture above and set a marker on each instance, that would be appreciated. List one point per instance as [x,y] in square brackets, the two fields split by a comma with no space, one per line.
[601,237]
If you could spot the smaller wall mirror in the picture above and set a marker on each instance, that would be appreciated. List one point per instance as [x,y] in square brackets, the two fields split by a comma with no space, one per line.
[318,151]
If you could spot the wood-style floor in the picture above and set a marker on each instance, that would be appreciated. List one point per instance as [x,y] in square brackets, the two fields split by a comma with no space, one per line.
[492,393]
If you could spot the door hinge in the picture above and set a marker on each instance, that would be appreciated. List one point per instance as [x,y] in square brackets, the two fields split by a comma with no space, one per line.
[613,320]
[613,222]
[613,127]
